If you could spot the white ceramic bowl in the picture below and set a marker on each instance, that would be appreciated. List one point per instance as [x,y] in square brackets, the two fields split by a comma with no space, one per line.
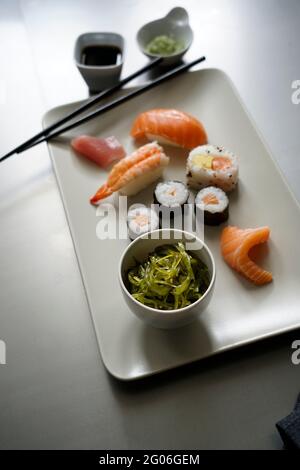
[139,250]
[99,77]
[174,24]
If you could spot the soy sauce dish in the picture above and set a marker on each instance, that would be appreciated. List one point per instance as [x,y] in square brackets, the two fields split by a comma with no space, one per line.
[149,259]
[99,59]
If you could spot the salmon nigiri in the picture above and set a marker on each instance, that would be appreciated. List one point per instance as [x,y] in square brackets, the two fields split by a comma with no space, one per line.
[134,172]
[169,126]
[235,246]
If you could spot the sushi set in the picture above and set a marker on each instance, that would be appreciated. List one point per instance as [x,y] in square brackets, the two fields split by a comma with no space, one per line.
[187,141]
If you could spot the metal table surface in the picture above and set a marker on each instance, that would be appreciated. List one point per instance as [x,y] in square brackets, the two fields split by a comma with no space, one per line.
[54,389]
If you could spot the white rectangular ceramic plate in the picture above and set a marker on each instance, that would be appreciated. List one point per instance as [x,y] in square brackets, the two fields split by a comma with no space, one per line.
[239,312]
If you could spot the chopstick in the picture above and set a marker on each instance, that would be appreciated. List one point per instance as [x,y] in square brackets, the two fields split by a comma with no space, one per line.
[121,100]
[103,109]
[81,109]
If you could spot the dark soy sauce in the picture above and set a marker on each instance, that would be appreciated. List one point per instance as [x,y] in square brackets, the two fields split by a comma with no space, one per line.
[101,55]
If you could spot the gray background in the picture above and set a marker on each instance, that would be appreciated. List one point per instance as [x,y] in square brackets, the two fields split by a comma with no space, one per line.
[54,390]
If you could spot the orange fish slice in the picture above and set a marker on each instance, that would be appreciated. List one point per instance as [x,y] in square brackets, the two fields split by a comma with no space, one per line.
[235,246]
[169,126]
[210,199]
[221,163]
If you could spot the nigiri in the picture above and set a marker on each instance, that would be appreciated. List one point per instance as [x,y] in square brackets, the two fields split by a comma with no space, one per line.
[169,126]
[101,151]
[235,246]
[134,172]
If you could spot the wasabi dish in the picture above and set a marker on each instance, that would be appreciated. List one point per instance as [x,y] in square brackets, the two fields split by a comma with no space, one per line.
[170,278]
[164,46]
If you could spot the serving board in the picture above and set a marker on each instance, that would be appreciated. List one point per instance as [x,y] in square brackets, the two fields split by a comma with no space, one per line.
[239,312]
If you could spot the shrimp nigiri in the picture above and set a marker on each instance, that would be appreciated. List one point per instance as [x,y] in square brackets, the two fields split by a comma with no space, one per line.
[169,126]
[134,172]
[235,246]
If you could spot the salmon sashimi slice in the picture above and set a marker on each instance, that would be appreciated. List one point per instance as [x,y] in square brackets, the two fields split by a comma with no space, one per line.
[169,126]
[101,151]
[134,172]
[235,246]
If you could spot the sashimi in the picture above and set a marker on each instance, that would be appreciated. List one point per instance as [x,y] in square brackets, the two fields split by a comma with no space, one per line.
[235,246]
[101,151]
[169,126]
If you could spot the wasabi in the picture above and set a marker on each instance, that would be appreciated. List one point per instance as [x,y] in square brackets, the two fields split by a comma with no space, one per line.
[169,279]
[164,46]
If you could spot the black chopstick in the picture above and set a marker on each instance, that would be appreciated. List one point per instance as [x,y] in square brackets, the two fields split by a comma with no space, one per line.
[118,101]
[82,108]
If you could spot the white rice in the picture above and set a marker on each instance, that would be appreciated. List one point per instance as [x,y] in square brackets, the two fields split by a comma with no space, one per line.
[199,177]
[161,140]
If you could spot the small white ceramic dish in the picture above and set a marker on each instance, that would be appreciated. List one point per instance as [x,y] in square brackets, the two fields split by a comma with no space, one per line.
[176,25]
[99,77]
[139,250]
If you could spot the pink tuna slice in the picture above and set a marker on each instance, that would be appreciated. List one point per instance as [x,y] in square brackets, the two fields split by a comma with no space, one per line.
[101,151]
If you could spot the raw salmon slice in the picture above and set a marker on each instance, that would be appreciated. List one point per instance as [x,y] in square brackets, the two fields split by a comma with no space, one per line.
[101,151]
[235,246]
[169,126]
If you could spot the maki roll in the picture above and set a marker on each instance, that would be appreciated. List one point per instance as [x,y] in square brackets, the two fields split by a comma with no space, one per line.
[214,203]
[171,194]
[141,220]
[171,197]
[208,165]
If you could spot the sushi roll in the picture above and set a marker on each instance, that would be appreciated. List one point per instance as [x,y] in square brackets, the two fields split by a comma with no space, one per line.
[141,220]
[214,203]
[208,165]
[171,194]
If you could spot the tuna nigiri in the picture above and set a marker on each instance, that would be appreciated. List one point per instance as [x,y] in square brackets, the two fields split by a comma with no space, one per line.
[134,172]
[169,126]
[101,151]
[235,246]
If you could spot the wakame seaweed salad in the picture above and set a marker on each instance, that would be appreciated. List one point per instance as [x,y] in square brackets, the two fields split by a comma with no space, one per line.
[169,279]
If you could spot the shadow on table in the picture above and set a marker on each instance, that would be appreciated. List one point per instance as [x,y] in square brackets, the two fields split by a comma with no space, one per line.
[239,358]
